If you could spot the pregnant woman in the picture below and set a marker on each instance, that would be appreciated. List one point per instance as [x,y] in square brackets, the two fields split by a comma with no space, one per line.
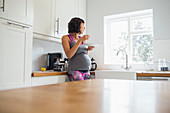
[76,51]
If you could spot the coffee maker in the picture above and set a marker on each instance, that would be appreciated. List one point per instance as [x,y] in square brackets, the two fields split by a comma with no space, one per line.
[93,65]
[58,65]
[53,58]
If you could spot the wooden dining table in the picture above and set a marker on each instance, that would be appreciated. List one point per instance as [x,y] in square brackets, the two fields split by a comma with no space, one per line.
[89,96]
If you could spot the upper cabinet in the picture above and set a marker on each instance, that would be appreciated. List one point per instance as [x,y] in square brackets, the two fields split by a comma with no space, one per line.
[51,17]
[65,10]
[17,10]
[44,13]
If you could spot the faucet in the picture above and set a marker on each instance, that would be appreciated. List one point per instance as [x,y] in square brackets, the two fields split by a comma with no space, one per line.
[126,67]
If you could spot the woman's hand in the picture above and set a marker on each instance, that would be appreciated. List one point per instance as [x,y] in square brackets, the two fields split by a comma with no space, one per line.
[84,38]
[90,48]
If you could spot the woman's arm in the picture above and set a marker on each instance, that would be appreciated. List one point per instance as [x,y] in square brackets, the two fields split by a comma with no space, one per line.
[66,45]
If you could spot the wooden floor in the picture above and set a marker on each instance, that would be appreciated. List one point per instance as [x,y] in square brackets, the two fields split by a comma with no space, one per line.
[89,96]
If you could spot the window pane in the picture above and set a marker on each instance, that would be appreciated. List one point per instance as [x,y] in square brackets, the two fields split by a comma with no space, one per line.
[119,39]
[119,34]
[141,24]
[142,47]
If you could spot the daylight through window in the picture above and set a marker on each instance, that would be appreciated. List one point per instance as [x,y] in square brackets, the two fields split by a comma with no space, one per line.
[132,33]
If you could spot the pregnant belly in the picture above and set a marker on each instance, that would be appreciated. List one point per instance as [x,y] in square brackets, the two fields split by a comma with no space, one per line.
[81,62]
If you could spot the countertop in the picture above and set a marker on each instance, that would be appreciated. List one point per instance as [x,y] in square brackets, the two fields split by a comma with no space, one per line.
[52,73]
[138,73]
[153,73]
[162,72]
[89,96]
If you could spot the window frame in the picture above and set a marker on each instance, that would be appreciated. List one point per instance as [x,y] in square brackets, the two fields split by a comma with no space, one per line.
[128,17]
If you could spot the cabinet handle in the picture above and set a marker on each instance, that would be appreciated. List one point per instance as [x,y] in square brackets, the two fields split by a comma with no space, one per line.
[3,7]
[17,25]
[57,21]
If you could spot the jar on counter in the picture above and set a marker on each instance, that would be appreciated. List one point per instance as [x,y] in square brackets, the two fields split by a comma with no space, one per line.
[162,65]
[149,66]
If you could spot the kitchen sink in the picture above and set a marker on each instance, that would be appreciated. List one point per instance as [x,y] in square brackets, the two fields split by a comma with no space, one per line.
[115,74]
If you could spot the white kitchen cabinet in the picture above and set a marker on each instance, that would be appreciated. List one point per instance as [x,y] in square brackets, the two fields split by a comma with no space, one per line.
[16,54]
[65,10]
[17,10]
[115,74]
[44,17]
[51,17]
[45,80]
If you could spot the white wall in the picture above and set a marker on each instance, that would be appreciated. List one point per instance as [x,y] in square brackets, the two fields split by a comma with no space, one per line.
[40,50]
[97,9]
[161,49]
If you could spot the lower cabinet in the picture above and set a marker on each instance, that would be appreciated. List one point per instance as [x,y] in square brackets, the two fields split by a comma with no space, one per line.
[45,80]
[15,55]
[114,74]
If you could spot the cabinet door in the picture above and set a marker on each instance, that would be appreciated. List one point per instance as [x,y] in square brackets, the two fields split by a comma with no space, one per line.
[17,10]
[2,8]
[2,58]
[44,11]
[51,17]
[45,80]
[15,67]
[65,10]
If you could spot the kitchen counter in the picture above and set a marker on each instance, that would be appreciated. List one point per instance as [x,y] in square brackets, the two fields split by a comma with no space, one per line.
[52,73]
[138,73]
[153,73]
[89,96]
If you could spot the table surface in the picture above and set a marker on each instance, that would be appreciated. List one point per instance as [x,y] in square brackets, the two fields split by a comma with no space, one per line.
[89,96]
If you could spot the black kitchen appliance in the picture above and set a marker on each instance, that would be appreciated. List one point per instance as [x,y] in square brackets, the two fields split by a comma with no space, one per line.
[93,65]
[65,64]
[58,66]
[52,58]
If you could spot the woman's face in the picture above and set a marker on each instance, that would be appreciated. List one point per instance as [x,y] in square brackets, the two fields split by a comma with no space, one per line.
[82,28]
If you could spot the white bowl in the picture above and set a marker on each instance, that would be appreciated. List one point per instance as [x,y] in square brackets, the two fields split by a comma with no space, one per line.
[91,44]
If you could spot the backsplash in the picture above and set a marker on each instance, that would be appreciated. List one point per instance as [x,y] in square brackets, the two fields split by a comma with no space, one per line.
[161,49]
[40,50]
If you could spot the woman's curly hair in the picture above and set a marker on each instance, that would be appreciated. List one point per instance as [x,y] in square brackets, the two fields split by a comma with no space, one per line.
[74,25]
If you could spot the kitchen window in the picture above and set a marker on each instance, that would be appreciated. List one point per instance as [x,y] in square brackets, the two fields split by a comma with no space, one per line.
[132,33]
